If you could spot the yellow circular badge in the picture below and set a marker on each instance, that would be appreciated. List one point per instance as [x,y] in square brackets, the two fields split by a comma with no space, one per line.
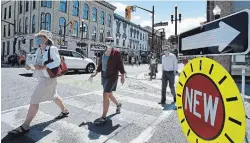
[209,104]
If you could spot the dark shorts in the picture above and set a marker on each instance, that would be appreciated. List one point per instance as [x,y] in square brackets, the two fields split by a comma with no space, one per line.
[108,84]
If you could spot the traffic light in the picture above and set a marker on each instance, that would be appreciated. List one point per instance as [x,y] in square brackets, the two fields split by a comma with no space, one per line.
[72,24]
[128,12]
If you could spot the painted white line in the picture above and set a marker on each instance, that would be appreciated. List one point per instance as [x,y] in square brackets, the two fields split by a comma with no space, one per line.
[142,120]
[137,101]
[148,132]
[25,106]
[146,93]
[79,134]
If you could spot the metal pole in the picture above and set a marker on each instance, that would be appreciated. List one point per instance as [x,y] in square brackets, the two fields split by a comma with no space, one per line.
[82,32]
[153,13]
[175,20]
[64,32]
[243,82]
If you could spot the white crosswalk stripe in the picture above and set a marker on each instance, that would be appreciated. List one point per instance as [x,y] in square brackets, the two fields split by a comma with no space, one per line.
[45,129]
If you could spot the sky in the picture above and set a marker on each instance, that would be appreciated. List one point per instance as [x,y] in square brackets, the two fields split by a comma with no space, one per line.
[193,13]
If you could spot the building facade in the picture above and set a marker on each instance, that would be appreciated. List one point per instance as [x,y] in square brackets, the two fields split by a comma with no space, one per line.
[130,38]
[232,63]
[30,17]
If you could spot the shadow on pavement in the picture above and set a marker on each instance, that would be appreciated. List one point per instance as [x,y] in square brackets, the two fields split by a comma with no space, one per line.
[69,73]
[97,130]
[35,134]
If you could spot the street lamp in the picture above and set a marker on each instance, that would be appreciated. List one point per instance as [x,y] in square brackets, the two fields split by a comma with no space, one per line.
[176,19]
[217,12]
[82,43]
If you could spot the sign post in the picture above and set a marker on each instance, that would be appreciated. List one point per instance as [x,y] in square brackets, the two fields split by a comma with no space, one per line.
[224,36]
[209,104]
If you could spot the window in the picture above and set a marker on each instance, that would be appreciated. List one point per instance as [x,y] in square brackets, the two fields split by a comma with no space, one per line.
[75,8]
[4,30]
[34,4]
[94,33]
[26,25]
[109,20]
[108,33]
[27,6]
[75,31]
[5,12]
[31,44]
[8,47]
[101,35]
[46,3]
[48,21]
[3,50]
[20,25]
[94,14]
[86,11]
[85,31]
[76,55]
[61,25]
[140,36]
[123,44]
[64,53]
[9,30]
[63,6]
[20,7]
[45,21]
[102,18]
[117,42]
[9,11]
[33,24]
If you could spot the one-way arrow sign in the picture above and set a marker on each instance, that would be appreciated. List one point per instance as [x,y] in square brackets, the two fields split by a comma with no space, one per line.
[225,36]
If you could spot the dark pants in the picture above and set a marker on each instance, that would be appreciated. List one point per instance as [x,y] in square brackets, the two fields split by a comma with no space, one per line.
[167,76]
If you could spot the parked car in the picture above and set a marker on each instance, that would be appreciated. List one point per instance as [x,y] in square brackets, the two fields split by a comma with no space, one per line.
[74,60]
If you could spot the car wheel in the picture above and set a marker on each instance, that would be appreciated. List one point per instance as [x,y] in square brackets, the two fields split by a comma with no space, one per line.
[90,68]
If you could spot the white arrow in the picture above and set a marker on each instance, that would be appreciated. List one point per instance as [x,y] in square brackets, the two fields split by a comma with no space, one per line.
[221,37]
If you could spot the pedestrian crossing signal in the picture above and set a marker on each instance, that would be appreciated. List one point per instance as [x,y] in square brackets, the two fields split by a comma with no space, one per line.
[128,12]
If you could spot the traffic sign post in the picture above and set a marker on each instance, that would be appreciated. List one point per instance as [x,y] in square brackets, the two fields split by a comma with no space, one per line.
[225,36]
[209,104]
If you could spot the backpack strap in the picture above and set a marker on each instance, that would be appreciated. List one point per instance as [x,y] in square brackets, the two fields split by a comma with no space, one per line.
[49,53]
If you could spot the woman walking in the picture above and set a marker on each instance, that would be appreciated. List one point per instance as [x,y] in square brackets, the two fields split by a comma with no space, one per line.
[46,88]
[109,65]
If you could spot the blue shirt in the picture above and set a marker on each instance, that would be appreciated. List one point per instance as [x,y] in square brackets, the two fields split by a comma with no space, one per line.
[104,62]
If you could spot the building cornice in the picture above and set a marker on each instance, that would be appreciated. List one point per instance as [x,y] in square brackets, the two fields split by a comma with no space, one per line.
[119,17]
[104,3]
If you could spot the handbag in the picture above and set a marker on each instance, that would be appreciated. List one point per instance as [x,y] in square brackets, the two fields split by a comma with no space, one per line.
[57,71]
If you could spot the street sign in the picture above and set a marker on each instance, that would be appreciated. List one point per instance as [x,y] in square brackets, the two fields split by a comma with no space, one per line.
[161,24]
[209,104]
[225,36]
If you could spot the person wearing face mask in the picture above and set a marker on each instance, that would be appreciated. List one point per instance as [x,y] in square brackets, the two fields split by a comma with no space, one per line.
[169,69]
[46,88]
[110,64]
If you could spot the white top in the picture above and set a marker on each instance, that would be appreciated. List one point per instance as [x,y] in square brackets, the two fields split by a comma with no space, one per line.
[42,56]
[169,62]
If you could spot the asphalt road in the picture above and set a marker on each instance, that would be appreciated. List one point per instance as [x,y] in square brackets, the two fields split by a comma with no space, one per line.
[141,119]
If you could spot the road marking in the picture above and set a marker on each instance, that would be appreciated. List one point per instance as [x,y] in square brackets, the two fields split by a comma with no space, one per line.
[148,133]
[142,120]
[68,97]
[81,134]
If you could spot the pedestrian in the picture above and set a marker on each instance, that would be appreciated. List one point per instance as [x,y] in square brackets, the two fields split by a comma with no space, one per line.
[15,60]
[46,88]
[109,65]
[169,70]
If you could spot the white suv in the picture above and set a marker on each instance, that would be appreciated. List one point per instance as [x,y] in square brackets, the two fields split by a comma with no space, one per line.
[74,60]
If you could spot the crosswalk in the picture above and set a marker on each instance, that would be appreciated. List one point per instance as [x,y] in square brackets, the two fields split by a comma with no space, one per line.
[137,122]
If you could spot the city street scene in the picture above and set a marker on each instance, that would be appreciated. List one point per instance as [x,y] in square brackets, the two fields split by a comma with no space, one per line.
[125,71]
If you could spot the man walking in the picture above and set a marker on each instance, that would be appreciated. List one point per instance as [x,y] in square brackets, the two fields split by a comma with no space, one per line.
[169,69]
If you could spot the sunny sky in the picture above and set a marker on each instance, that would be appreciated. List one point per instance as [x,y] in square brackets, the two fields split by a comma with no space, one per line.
[193,13]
